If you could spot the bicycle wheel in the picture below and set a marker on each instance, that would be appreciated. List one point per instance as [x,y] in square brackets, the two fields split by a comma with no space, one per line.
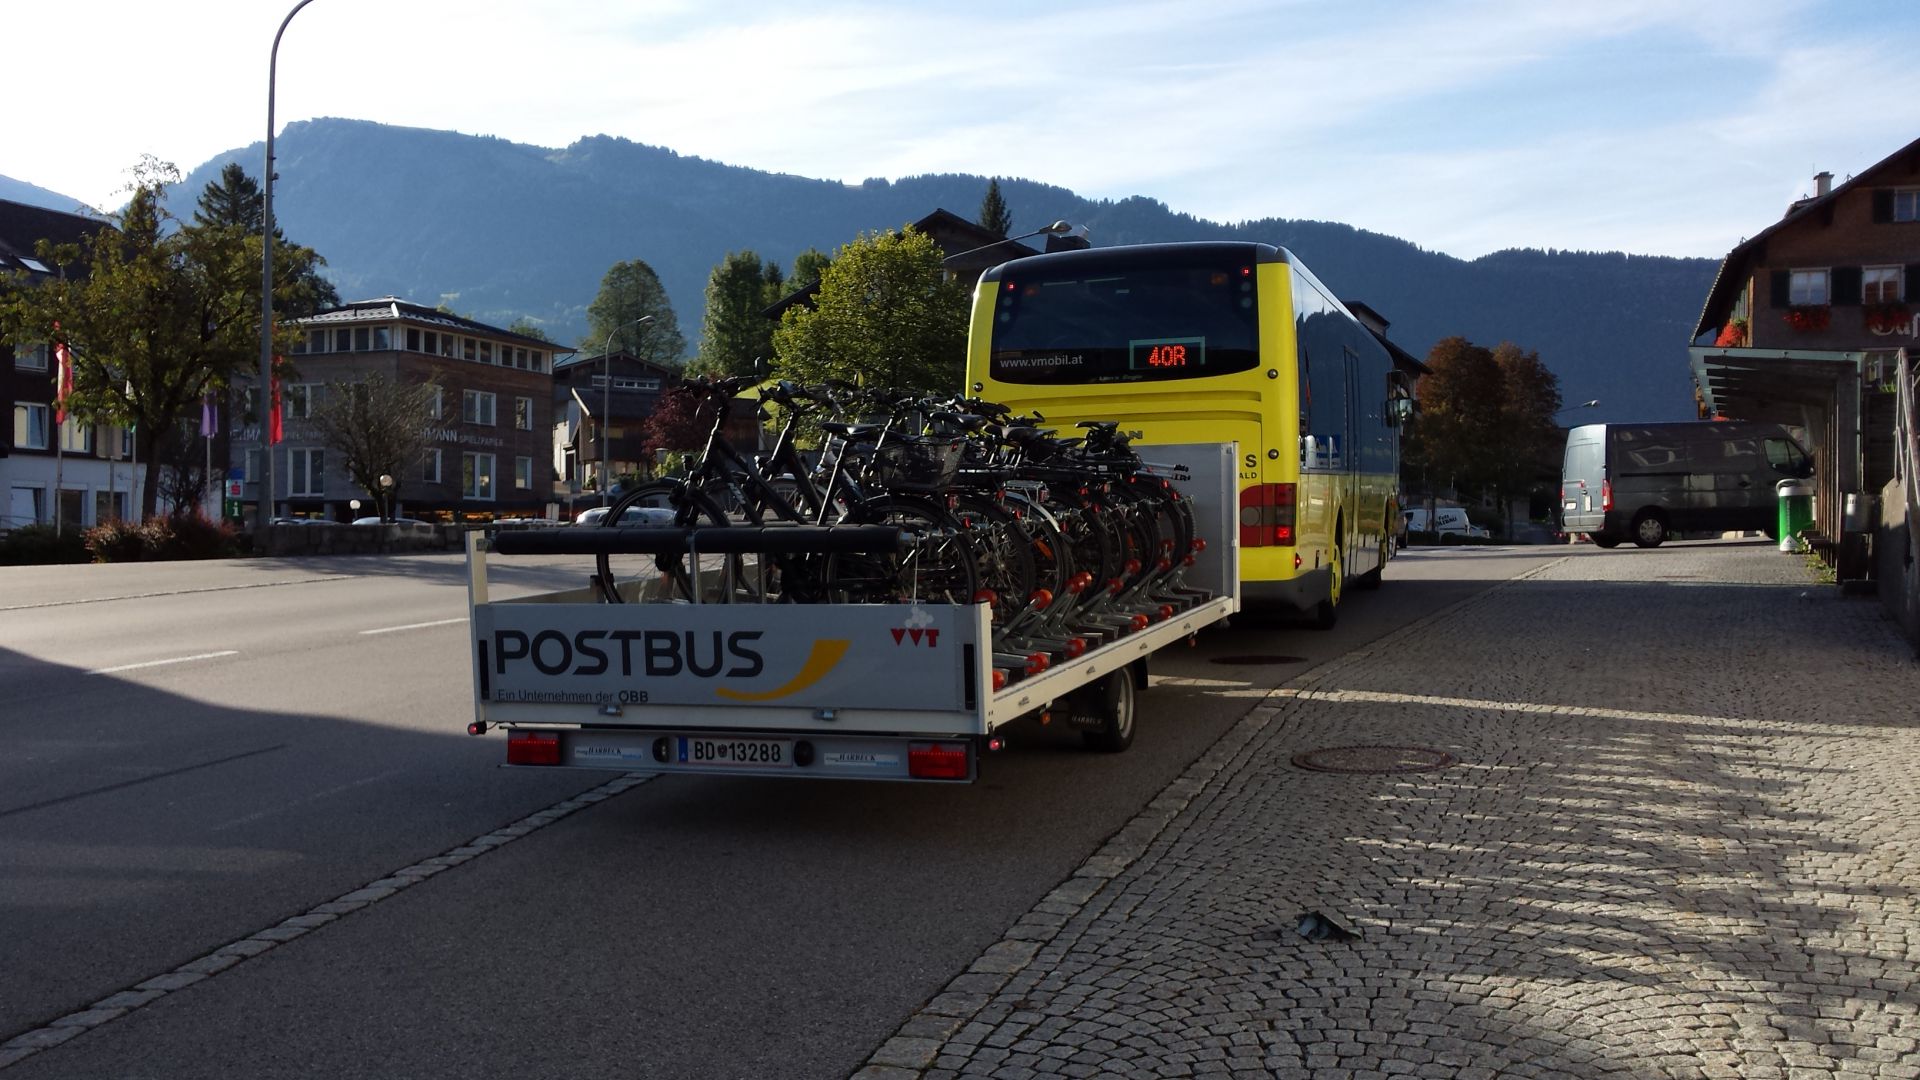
[660,503]
[937,566]
[1003,548]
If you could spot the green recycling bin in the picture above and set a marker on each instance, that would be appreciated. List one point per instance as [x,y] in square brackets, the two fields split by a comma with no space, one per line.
[1796,511]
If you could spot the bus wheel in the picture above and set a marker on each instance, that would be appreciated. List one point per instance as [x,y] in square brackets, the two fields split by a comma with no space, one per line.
[1114,701]
[1327,612]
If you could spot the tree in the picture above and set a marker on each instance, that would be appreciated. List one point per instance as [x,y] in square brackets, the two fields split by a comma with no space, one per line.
[1486,418]
[234,201]
[380,428]
[736,332]
[526,327]
[808,267]
[886,316]
[994,215]
[680,421]
[629,291]
[161,316]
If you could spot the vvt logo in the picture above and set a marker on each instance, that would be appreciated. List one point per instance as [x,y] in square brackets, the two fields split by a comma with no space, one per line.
[919,628]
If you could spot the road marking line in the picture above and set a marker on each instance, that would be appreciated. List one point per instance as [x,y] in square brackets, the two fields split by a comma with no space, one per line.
[1382,698]
[415,626]
[162,663]
[113,1007]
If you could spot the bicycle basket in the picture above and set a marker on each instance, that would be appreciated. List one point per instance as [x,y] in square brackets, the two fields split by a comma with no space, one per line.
[922,464]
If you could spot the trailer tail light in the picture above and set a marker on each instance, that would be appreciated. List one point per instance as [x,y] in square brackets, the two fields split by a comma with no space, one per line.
[1267,515]
[999,680]
[1606,495]
[937,761]
[533,748]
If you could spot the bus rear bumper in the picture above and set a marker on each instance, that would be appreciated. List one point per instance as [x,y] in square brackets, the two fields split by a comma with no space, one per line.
[1302,593]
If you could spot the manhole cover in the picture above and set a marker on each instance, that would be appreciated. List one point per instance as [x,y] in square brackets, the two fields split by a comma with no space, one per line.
[1374,759]
[1256,660]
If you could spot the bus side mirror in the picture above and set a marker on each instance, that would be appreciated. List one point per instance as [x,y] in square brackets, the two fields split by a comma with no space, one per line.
[1399,410]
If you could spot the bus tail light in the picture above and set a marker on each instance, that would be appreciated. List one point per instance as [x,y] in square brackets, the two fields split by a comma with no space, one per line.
[1267,515]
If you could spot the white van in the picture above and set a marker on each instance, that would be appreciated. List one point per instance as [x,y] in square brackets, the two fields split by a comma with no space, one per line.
[1450,522]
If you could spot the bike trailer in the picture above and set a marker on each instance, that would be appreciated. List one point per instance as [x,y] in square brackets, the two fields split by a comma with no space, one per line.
[906,691]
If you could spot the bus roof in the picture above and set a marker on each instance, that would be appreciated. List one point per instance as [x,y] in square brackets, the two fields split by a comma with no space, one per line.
[1093,259]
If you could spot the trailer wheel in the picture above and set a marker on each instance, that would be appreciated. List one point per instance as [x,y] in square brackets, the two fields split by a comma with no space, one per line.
[1114,700]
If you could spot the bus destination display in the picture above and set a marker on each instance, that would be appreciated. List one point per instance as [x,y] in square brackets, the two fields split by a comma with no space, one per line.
[1167,354]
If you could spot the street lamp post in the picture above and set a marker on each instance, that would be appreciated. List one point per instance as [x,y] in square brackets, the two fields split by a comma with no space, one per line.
[1058,228]
[606,408]
[263,395]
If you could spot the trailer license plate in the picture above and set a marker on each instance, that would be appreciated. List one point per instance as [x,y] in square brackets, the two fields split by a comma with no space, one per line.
[754,753]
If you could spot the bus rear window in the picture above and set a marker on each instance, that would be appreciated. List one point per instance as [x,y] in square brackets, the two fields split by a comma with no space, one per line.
[1126,325]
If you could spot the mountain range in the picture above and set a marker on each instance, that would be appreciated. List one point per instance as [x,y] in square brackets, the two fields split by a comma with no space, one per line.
[498,230]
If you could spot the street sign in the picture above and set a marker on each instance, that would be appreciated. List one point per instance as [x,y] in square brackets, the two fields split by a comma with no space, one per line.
[233,489]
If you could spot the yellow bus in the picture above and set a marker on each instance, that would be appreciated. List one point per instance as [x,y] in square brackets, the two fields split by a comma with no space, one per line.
[1211,342]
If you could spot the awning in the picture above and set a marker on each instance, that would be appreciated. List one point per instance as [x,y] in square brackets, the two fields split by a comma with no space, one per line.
[1773,384]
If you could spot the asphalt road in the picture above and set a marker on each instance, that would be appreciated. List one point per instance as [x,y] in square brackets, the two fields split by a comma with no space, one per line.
[195,752]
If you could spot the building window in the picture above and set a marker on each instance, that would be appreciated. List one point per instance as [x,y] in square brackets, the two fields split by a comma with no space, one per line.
[469,349]
[30,426]
[486,352]
[382,337]
[25,506]
[476,476]
[362,338]
[250,467]
[413,339]
[109,506]
[439,404]
[1807,287]
[126,442]
[31,357]
[306,467]
[523,473]
[449,347]
[523,413]
[76,437]
[431,471]
[1880,285]
[1906,204]
[537,360]
[343,339]
[476,407]
[296,400]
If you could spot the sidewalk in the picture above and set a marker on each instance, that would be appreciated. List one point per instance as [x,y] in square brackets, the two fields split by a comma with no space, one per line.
[1678,841]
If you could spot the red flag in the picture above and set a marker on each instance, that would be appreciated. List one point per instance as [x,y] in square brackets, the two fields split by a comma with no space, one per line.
[274,432]
[64,388]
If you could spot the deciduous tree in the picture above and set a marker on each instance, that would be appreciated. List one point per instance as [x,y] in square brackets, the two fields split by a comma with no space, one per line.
[380,428]
[736,332]
[885,316]
[160,316]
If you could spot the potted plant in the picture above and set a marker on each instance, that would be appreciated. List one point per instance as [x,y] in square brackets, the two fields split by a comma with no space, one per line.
[1809,318]
[1733,335]
[1888,318]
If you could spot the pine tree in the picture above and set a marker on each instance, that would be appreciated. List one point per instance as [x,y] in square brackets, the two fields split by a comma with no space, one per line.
[736,332]
[994,215]
[629,291]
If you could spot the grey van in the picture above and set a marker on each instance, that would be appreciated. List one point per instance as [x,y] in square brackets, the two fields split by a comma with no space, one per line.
[1646,482]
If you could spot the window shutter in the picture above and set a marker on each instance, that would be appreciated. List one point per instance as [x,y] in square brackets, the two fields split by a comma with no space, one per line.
[1883,207]
[1913,283]
[1782,288]
[1845,286]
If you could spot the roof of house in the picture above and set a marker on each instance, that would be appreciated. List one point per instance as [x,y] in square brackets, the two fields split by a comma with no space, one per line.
[22,225]
[945,227]
[392,307]
[1733,273]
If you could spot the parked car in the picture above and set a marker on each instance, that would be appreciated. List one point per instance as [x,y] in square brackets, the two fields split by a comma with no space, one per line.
[633,516]
[1450,524]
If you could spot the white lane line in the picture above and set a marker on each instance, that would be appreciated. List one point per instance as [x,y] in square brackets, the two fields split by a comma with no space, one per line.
[111,1008]
[414,626]
[162,663]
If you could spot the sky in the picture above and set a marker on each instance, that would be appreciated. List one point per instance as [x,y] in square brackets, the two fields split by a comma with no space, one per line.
[1662,127]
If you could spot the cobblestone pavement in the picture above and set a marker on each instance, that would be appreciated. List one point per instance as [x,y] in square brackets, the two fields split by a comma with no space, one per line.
[1678,842]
